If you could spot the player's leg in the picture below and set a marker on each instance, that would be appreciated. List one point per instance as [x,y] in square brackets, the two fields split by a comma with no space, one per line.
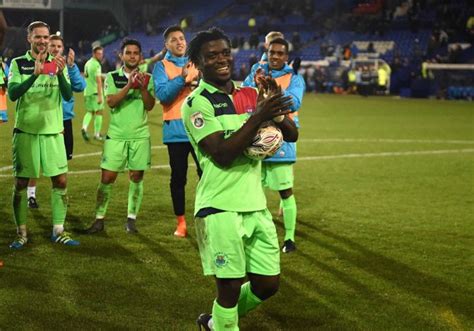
[31,193]
[89,101]
[139,160]
[279,177]
[104,192]
[114,159]
[98,124]
[221,248]
[289,209]
[68,139]
[19,202]
[135,196]
[54,165]
[26,164]
[263,261]
[178,158]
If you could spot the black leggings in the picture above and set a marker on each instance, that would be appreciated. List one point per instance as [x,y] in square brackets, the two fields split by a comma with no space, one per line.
[68,138]
[178,155]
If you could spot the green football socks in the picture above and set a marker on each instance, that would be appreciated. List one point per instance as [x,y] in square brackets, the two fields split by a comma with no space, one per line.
[289,217]
[247,300]
[224,319]
[135,196]
[103,197]
[20,206]
[59,205]
[87,119]
[97,124]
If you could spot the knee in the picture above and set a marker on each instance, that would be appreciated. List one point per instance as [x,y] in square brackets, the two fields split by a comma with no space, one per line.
[285,194]
[60,182]
[21,184]
[136,177]
[267,289]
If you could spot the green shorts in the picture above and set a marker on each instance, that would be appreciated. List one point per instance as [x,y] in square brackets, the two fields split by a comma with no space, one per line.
[91,103]
[119,155]
[277,176]
[32,152]
[232,244]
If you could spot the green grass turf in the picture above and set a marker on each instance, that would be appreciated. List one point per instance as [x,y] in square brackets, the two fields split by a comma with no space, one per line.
[384,242]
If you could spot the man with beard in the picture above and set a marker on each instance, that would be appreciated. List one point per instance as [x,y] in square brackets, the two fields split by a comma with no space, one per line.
[38,83]
[129,95]
[56,48]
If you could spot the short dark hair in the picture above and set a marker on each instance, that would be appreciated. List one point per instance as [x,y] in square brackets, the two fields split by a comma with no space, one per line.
[202,37]
[96,48]
[129,41]
[171,29]
[280,41]
[37,24]
[56,37]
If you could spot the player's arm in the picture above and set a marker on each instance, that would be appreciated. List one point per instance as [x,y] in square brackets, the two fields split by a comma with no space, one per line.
[166,89]
[78,82]
[64,84]
[225,151]
[158,56]
[288,129]
[16,87]
[146,92]
[114,96]
[296,90]
[98,79]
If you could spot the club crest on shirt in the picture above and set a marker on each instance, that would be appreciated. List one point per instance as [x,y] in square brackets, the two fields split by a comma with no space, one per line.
[197,120]
[221,259]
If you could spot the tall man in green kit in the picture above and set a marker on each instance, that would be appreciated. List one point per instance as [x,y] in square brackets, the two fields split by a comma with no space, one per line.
[93,93]
[235,231]
[129,94]
[38,83]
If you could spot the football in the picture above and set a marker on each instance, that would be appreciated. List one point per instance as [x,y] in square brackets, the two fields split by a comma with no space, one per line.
[265,143]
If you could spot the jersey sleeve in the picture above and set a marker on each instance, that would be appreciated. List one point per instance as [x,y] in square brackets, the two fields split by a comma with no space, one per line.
[14,76]
[199,119]
[109,85]
[97,70]
[151,86]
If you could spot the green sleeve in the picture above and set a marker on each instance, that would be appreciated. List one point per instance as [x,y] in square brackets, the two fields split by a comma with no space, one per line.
[198,117]
[151,86]
[16,90]
[109,85]
[65,87]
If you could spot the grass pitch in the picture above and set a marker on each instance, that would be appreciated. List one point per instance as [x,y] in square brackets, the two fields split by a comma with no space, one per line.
[385,232]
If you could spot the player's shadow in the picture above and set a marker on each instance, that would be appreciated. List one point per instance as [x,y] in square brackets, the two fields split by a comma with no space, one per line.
[166,255]
[420,284]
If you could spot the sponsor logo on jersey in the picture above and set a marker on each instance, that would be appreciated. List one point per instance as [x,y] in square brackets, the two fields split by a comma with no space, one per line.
[220,105]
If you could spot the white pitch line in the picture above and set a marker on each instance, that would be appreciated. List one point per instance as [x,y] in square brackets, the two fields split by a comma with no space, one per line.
[401,141]
[321,157]
[98,153]
[342,140]
[384,154]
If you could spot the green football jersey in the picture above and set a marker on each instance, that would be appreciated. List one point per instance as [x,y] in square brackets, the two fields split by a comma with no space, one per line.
[235,188]
[39,110]
[92,69]
[128,120]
